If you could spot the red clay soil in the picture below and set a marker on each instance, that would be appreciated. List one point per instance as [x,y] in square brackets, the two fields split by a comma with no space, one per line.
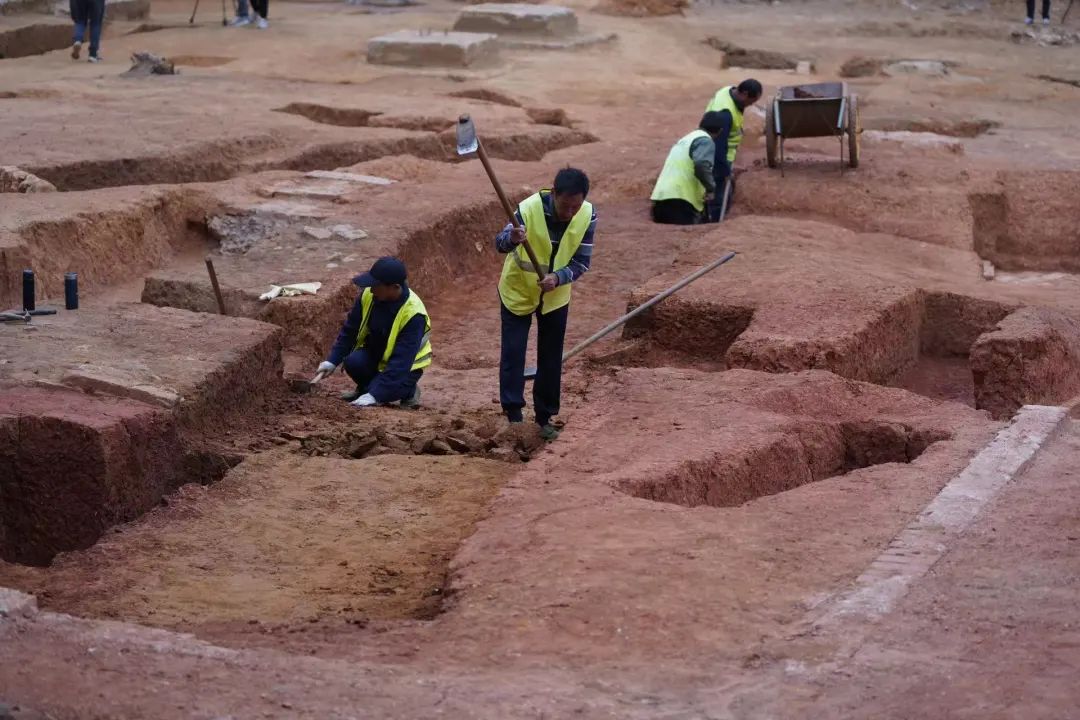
[75,464]
[331,541]
[1028,223]
[106,237]
[1031,358]
[990,626]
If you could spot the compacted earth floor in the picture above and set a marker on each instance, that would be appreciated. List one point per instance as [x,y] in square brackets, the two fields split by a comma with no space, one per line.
[207,535]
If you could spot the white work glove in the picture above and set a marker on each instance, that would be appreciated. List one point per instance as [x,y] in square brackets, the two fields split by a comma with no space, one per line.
[325,369]
[365,400]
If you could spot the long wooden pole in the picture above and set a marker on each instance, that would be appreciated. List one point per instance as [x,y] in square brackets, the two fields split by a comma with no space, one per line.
[214,283]
[506,204]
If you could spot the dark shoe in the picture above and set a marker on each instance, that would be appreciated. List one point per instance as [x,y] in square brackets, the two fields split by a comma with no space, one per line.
[412,403]
[351,395]
[549,432]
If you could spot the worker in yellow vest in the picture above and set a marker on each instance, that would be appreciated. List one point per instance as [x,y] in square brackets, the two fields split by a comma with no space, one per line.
[731,102]
[687,184]
[559,225]
[385,343]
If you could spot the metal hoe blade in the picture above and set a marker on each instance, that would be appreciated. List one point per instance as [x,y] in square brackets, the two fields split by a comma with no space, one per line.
[466,136]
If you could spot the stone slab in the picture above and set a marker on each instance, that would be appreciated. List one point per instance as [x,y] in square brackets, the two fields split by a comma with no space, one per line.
[518,18]
[417,48]
[348,177]
[16,604]
[21,7]
[572,42]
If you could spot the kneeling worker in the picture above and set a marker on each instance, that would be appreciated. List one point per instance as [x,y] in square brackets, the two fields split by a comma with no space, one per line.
[687,181]
[731,102]
[385,341]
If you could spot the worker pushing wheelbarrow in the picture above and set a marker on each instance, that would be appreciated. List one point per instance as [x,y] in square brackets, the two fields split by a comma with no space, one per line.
[815,110]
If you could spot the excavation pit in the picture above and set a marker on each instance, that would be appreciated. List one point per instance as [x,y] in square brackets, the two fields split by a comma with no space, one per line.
[754,434]
[1027,224]
[101,419]
[414,48]
[21,37]
[342,543]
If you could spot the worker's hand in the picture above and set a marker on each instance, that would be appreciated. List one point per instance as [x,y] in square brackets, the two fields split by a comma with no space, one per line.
[365,400]
[517,235]
[549,283]
[324,370]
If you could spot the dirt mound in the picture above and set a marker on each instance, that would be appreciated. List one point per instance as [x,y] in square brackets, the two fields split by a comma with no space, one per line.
[549,116]
[512,444]
[642,8]
[399,167]
[862,66]
[735,56]
[937,126]
[487,96]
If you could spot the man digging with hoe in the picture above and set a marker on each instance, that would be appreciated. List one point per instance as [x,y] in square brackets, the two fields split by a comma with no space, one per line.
[558,225]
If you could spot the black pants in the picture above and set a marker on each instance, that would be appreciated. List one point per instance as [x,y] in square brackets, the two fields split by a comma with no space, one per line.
[1045,8]
[362,367]
[675,212]
[262,7]
[550,332]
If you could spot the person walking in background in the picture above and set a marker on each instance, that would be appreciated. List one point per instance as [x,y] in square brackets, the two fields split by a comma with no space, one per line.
[261,8]
[1030,19]
[83,13]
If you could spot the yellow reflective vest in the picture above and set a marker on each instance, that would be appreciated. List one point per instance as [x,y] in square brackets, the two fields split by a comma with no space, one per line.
[412,307]
[518,286]
[677,180]
[724,101]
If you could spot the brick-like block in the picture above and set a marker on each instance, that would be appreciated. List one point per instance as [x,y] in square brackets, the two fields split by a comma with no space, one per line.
[413,48]
[72,465]
[518,18]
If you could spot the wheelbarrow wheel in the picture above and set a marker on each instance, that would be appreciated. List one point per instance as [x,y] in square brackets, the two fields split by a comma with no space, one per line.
[770,135]
[854,129]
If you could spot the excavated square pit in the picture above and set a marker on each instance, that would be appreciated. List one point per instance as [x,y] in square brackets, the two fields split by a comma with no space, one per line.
[518,18]
[282,541]
[101,411]
[414,48]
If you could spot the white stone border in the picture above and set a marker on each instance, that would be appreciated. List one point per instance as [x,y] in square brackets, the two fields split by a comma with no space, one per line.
[926,539]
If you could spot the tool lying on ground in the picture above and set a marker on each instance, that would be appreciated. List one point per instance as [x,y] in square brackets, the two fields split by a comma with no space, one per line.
[530,373]
[468,143]
[24,315]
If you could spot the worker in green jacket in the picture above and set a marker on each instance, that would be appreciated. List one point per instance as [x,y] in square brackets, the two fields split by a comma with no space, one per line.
[731,102]
[687,182]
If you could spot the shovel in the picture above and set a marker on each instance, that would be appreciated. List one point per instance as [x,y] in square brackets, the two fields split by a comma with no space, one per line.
[530,373]
[467,144]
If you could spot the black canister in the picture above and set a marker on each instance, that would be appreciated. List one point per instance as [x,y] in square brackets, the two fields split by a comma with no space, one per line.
[71,291]
[28,289]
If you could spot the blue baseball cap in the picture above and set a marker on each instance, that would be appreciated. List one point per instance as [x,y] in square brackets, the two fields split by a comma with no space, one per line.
[385,271]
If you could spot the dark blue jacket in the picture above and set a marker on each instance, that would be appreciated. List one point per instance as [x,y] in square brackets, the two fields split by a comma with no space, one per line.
[380,323]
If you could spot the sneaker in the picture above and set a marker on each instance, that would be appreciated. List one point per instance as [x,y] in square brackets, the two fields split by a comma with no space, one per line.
[261,23]
[351,395]
[1046,21]
[1029,21]
[412,403]
[94,59]
[75,50]
[240,21]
